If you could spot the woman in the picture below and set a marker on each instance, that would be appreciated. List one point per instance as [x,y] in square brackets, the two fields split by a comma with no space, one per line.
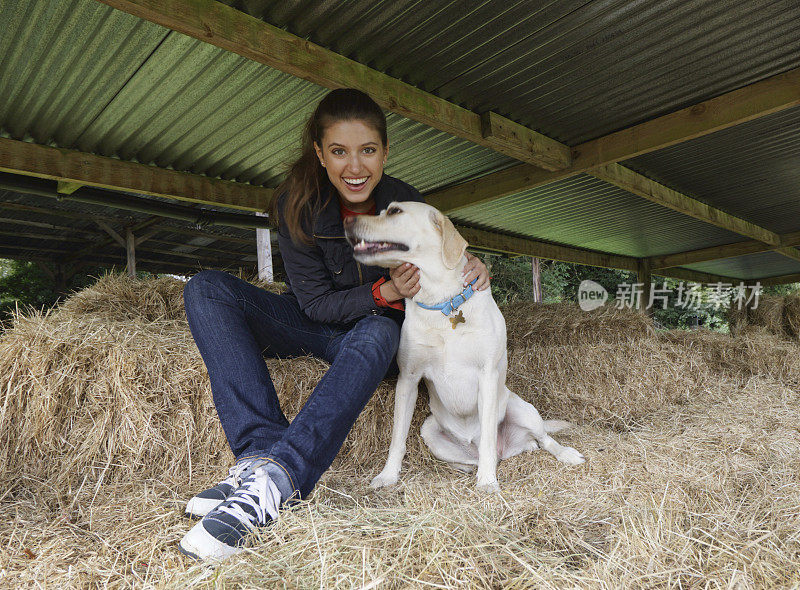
[337,310]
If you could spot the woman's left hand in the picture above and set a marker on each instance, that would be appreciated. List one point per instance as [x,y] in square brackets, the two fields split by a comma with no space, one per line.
[476,268]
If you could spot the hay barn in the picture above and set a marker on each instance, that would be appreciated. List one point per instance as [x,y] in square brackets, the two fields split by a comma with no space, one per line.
[658,137]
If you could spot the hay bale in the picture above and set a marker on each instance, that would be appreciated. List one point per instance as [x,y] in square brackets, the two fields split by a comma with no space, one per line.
[791,316]
[566,323]
[736,317]
[116,297]
[107,426]
[768,314]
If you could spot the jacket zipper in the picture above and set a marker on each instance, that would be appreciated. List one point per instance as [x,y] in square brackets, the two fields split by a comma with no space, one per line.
[360,276]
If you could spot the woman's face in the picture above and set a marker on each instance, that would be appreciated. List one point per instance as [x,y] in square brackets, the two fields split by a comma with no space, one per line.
[354,156]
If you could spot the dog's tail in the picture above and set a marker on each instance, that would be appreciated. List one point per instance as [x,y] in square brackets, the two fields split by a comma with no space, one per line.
[552,426]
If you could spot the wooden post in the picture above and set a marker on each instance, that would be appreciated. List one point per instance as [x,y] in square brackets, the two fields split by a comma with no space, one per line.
[264,252]
[645,277]
[130,247]
[537,279]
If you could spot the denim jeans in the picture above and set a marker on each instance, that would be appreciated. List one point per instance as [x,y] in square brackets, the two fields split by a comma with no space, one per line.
[236,325]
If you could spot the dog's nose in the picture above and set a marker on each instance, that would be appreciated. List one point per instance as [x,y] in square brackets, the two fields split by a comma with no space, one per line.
[349,220]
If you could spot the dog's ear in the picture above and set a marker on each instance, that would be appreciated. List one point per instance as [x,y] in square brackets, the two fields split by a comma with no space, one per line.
[453,245]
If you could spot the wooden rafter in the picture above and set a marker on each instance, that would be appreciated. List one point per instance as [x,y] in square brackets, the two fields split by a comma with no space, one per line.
[781,280]
[756,100]
[506,244]
[642,186]
[29,159]
[230,29]
[708,254]
[725,251]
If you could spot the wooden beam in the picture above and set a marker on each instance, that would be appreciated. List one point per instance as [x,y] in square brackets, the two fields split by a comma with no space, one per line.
[264,253]
[55,212]
[638,184]
[707,254]
[47,270]
[493,186]
[230,29]
[645,277]
[67,188]
[506,244]
[111,232]
[695,276]
[727,251]
[45,225]
[6,251]
[635,183]
[792,253]
[40,237]
[130,251]
[756,100]
[493,242]
[19,157]
[762,98]
[781,280]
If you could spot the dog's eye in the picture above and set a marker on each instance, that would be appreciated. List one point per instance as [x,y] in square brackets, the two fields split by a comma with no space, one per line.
[393,210]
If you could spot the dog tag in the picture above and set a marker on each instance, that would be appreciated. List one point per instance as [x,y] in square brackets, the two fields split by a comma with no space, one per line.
[457,319]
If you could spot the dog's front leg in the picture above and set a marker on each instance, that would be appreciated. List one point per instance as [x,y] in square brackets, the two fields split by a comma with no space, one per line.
[488,401]
[405,399]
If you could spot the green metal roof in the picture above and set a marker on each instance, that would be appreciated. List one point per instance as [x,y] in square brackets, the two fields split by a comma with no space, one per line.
[78,74]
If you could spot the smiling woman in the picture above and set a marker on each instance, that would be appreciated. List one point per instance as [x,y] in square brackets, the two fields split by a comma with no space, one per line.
[354,155]
[339,310]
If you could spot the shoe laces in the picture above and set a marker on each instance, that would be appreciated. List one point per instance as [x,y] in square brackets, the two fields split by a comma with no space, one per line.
[235,473]
[257,492]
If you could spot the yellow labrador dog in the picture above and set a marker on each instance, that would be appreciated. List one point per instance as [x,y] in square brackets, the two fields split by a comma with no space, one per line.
[455,340]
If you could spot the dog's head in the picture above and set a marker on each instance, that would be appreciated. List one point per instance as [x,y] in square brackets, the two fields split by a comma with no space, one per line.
[406,232]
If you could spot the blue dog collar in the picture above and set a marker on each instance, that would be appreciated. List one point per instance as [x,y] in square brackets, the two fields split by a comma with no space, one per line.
[454,303]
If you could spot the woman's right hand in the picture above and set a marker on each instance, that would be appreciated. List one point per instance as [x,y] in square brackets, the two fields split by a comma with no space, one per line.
[404,283]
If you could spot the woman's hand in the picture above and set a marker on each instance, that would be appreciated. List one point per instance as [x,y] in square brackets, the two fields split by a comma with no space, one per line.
[476,268]
[404,283]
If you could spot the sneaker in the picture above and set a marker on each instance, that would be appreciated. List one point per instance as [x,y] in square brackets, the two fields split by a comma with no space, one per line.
[207,500]
[223,531]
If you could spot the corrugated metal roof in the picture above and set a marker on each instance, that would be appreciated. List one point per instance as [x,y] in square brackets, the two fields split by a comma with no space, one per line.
[750,267]
[34,227]
[751,170]
[75,73]
[572,69]
[178,102]
[587,212]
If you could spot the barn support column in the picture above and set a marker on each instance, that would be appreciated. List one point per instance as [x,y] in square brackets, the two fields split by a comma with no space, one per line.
[644,276]
[130,241]
[60,274]
[264,252]
[537,279]
[130,249]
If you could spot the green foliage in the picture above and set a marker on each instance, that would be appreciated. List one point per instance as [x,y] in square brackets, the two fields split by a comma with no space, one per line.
[512,282]
[26,285]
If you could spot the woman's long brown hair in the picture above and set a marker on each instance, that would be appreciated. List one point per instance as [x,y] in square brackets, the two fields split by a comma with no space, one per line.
[306,175]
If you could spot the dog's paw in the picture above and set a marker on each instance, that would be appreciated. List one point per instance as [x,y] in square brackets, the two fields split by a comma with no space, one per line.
[489,487]
[384,479]
[570,456]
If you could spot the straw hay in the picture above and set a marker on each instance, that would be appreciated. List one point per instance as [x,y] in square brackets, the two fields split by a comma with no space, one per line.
[778,315]
[107,428]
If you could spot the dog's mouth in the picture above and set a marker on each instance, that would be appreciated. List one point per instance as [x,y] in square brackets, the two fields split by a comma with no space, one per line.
[364,247]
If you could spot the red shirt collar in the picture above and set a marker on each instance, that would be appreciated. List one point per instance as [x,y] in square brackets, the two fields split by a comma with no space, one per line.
[345,212]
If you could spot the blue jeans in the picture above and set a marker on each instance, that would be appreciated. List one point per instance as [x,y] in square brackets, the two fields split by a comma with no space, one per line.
[235,325]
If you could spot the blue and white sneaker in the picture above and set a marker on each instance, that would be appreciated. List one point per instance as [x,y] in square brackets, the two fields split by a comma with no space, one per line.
[223,531]
[207,500]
